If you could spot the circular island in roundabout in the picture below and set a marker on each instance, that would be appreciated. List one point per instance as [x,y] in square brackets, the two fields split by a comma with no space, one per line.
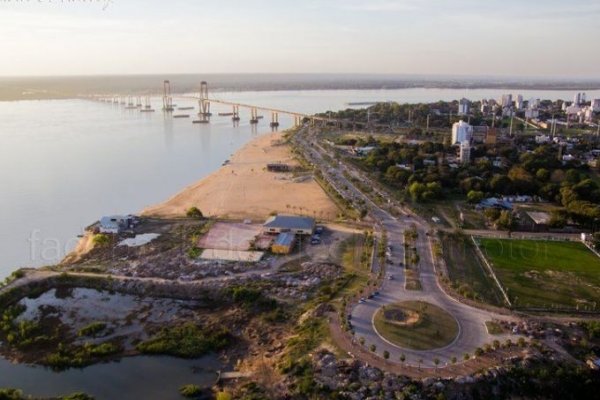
[415,325]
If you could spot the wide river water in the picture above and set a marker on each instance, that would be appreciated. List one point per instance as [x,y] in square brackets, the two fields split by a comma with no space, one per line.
[65,163]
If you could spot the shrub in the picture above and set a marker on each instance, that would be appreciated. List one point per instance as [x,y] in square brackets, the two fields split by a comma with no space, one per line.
[190,390]
[187,340]
[194,212]
[92,329]
[101,239]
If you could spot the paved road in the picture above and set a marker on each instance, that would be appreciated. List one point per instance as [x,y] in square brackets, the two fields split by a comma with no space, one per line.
[471,321]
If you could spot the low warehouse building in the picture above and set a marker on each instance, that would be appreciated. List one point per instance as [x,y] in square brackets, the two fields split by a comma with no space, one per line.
[290,223]
[284,244]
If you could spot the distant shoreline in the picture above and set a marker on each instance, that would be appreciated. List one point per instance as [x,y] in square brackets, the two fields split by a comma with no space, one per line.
[54,88]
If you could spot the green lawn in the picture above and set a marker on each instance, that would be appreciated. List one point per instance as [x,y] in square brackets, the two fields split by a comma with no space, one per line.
[547,274]
[467,275]
[435,328]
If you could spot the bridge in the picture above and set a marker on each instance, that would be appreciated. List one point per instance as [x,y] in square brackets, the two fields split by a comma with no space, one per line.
[205,101]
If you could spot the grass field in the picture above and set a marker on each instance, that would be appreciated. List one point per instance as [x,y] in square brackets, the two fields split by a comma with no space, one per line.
[467,276]
[430,327]
[353,255]
[545,274]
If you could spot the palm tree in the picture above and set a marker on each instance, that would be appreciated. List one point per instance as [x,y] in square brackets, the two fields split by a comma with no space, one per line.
[453,360]
[402,358]
[436,361]
[386,354]
[466,356]
[373,348]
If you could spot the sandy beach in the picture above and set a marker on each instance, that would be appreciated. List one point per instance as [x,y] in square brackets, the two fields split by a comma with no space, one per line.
[245,189]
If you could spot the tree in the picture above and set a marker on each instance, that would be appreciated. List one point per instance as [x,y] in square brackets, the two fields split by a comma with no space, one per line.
[373,348]
[420,361]
[558,219]
[386,354]
[466,356]
[453,360]
[474,196]
[416,190]
[194,212]
[505,221]
[436,361]
[402,358]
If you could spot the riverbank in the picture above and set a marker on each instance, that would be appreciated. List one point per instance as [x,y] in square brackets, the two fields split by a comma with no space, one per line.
[244,188]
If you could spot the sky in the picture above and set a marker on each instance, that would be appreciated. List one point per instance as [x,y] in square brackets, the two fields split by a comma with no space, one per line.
[450,37]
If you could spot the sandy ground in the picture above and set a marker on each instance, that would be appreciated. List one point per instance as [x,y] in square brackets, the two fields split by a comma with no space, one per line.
[245,189]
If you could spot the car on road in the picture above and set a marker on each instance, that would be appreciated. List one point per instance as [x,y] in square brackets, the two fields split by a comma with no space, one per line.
[319,230]
[391,277]
[370,296]
[362,300]
[376,293]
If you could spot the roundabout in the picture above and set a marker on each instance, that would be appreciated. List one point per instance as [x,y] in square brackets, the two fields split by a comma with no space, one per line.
[415,325]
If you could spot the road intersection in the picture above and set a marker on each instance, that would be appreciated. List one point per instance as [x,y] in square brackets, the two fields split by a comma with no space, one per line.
[471,321]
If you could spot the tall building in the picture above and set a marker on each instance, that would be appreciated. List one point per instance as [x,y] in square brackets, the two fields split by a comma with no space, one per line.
[577,99]
[519,102]
[461,131]
[463,106]
[506,100]
[596,105]
[465,152]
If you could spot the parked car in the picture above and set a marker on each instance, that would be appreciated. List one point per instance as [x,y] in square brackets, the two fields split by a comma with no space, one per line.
[391,277]
[362,300]
[319,229]
[370,296]
[376,293]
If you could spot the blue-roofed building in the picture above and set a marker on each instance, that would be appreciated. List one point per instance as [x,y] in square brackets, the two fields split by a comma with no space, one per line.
[284,244]
[493,202]
[290,223]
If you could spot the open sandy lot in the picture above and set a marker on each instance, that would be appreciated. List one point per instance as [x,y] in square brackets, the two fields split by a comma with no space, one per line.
[245,189]
[230,236]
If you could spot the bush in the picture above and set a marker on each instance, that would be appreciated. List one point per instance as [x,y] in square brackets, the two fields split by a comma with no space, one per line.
[101,239]
[187,341]
[92,329]
[190,390]
[194,212]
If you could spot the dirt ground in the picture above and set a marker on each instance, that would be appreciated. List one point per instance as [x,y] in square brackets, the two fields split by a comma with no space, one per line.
[230,236]
[245,189]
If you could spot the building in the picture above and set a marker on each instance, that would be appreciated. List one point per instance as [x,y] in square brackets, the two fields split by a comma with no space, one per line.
[461,131]
[278,167]
[115,223]
[463,106]
[537,220]
[495,203]
[284,244]
[596,105]
[465,152]
[519,102]
[290,223]
[491,137]
[506,100]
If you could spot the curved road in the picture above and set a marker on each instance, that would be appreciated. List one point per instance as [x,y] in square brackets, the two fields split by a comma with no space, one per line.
[471,321]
